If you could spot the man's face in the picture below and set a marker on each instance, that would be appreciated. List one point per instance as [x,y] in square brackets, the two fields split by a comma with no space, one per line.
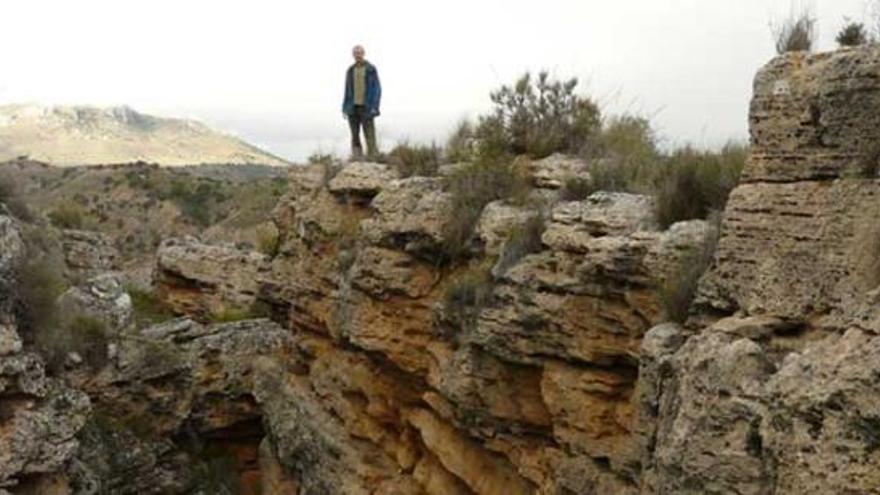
[358,53]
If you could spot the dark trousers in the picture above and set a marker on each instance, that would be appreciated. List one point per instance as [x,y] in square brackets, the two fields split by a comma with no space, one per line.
[357,120]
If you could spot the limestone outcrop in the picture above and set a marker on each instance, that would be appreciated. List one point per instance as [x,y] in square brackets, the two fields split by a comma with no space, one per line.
[39,416]
[532,392]
[201,280]
[88,253]
[536,360]
[779,394]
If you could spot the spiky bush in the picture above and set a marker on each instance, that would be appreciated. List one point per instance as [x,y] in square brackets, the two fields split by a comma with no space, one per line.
[416,160]
[537,116]
[471,188]
[678,291]
[796,33]
[853,34]
[692,183]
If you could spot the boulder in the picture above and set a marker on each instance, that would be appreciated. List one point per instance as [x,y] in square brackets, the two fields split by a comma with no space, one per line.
[361,180]
[553,171]
[88,253]
[203,280]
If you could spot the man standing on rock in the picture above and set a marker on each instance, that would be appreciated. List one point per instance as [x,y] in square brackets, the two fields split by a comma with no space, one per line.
[361,103]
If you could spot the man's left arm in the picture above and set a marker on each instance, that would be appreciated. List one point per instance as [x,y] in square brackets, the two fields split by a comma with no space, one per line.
[378,92]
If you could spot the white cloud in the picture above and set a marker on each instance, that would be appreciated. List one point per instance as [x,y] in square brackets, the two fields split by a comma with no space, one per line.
[272,70]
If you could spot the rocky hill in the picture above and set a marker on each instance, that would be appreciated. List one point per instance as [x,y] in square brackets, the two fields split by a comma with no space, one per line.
[137,205]
[543,365]
[81,135]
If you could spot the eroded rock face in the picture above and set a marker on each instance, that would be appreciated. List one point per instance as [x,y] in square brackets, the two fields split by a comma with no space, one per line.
[172,389]
[87,253]
[39,416]
[779,396]
[202,280]
[533,394]
[563,379]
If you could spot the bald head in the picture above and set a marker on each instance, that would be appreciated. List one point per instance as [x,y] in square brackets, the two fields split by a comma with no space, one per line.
[358,53]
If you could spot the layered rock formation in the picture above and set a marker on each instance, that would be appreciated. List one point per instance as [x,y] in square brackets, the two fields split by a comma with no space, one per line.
[39,416]
[780,394]
[538,362]
[553,382]
[398,390]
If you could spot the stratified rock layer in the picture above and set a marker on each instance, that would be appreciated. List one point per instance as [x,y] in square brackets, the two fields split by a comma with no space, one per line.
[781,395]
[396,391]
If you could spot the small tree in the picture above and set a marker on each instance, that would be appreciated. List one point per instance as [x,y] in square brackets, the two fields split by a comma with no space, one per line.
[853,34]
[538,116]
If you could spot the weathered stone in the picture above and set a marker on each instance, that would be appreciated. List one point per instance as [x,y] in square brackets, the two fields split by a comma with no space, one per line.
[102,298]
[553,171]
[88,253]
[498,221]
[39,420]
[201,280]
[574,225]
[410,216]
[361,180]
[812,116]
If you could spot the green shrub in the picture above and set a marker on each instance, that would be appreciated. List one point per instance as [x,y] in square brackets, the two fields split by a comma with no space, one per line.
[11,196]
[268,240]
[467,295]
[853,34]
[197,199]
[148,308]
[627,138]
[68,216]
[415,160]
[522,241]
[471,188]
[797,33]
[577,188]
[82,334]
[538,116]
[460,147]
[693,183]
[39,284]
[233,314]
[678,291]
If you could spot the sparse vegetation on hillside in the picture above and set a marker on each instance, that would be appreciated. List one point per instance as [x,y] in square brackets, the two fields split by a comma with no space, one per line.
[416,160]
[140,204]
[148,308]
[796,33]
[692,183]
[472,187]
[331,163]
[11,196]
[678,291]
[81,334]
[232,314]
[522,241]
[38,286]
[467,295]
[69,216]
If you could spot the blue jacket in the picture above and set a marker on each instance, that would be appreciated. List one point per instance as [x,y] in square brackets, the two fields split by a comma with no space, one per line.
[373,91]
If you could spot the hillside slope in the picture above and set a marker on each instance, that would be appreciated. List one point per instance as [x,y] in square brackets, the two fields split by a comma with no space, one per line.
[81,135]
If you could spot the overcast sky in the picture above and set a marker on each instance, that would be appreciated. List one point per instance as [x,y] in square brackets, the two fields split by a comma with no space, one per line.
[272,71]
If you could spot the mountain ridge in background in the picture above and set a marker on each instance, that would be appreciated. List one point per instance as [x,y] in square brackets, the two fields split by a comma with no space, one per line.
[89,135]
